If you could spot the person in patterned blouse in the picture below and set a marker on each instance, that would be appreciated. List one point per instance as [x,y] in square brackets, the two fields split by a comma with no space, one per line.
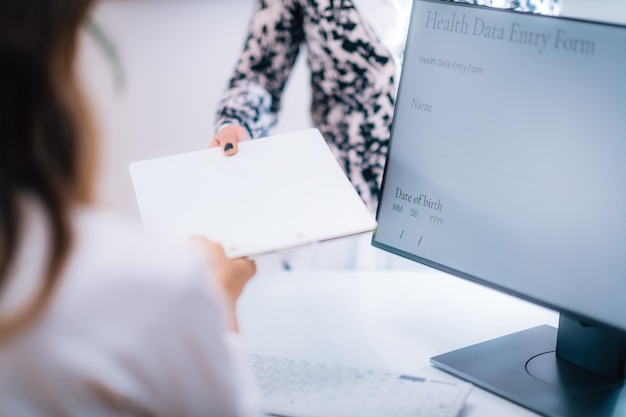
[354,52]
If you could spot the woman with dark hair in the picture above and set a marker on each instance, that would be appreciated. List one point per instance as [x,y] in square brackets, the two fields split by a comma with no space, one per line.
[96,317]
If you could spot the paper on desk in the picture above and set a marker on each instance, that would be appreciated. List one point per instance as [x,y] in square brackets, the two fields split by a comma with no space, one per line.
[276,193]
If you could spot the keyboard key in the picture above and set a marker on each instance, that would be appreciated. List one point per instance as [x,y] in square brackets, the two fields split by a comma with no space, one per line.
[298,388]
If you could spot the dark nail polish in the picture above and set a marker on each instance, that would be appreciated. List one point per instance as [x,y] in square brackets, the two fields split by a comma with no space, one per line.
[228,147]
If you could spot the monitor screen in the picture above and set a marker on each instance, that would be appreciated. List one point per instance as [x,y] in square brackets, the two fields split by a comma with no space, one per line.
[507,161]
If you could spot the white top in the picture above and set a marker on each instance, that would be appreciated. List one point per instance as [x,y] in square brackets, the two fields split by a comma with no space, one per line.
[134,328]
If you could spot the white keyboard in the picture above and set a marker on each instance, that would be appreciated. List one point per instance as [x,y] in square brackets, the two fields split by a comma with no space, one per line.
[298,388]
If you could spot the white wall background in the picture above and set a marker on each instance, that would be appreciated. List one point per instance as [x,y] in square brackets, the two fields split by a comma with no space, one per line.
[177,56]
[603,10]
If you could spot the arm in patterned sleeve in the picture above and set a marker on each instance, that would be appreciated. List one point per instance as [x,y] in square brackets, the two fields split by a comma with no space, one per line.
[548,7]
[252,98]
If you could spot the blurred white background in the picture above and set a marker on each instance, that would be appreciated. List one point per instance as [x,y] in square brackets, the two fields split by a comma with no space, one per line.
[177,56]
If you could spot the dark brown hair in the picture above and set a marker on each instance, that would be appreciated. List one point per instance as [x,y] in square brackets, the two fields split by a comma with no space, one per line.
[44,132]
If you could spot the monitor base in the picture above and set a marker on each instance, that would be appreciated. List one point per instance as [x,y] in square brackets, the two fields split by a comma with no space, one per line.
[523,368]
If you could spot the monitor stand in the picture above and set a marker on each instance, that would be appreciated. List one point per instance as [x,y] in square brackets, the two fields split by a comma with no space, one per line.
[577,371]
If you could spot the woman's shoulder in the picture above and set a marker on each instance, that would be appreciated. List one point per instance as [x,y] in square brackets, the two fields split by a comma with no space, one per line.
[112,249]
[119,273]
[111,256]
[115,273]
[130,306]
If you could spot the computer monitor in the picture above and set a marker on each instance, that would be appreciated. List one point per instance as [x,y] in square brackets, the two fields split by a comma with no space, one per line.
[507,167]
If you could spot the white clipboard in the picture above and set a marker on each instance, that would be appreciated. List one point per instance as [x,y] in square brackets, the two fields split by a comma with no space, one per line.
[276,193]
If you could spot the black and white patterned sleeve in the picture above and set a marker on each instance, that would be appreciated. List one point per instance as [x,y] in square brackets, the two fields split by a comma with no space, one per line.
[547,7]
[253,95]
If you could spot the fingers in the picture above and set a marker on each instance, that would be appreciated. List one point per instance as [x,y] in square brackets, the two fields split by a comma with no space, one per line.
[228,138]
[246,267]
[214,250]
[230,148]
[231,274]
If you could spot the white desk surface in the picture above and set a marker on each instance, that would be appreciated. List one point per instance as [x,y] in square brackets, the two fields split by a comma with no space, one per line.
[382,319]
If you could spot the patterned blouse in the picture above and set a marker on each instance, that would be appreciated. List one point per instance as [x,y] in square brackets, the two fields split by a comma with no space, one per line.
[352,79]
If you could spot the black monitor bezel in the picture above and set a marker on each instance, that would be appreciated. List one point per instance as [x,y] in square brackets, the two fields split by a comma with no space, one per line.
[473,278]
